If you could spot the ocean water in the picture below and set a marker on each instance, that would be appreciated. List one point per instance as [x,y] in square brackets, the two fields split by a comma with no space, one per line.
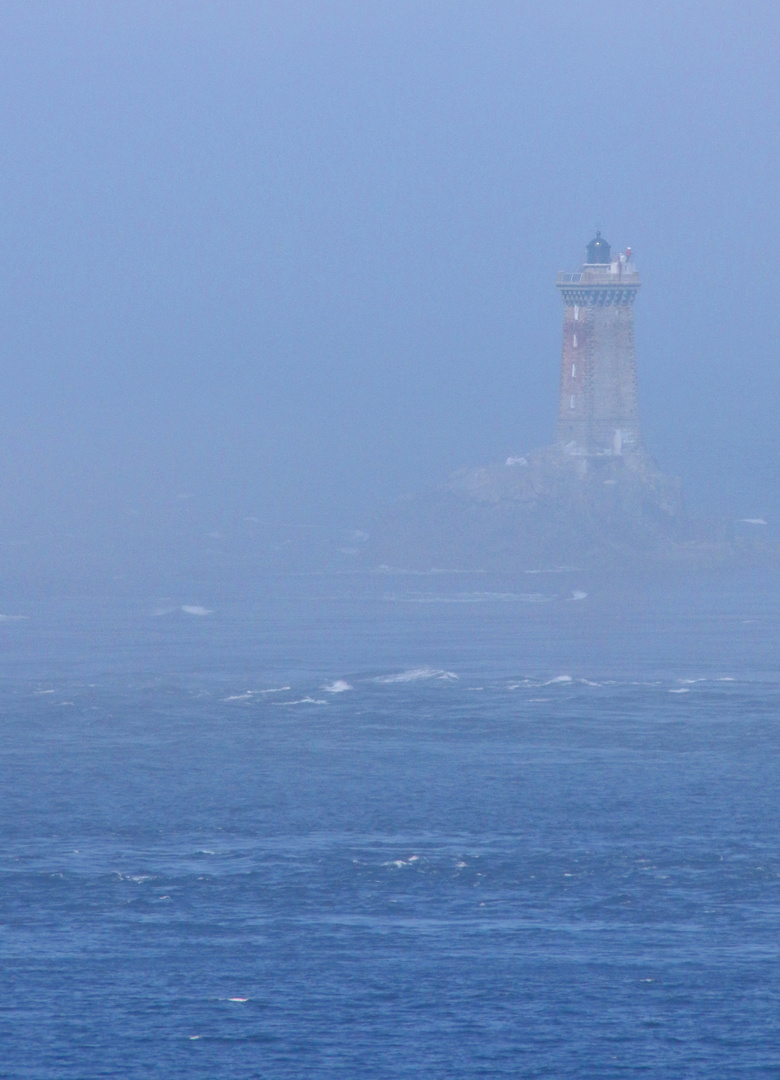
[394,826]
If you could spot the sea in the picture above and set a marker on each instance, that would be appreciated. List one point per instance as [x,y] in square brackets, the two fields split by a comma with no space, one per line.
[392,826]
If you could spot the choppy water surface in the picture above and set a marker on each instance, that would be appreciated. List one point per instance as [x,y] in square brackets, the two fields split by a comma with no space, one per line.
[404,827]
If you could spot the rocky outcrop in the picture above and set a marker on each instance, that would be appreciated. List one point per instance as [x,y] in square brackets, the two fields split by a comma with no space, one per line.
[552,508]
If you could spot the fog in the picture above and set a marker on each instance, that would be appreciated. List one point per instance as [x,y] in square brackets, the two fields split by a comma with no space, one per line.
[266,266]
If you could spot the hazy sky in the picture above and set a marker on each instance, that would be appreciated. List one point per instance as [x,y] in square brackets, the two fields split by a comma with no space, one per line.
[292,259]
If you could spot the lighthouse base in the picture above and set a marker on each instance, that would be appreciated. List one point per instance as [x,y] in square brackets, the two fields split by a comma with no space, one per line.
[551,507]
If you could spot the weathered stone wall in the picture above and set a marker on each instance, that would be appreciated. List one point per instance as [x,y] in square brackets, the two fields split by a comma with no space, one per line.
[597,409]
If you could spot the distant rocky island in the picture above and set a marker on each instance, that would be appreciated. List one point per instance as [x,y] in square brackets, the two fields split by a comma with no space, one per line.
[545,511]
[595,497]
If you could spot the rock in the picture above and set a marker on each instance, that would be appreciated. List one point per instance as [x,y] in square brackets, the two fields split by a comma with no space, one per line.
[558,508]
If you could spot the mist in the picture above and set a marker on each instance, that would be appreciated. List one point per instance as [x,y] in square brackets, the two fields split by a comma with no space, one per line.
[385,693]
[267,267]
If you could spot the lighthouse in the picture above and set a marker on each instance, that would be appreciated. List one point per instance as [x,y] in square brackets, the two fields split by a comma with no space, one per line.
[597,408]
[595,497]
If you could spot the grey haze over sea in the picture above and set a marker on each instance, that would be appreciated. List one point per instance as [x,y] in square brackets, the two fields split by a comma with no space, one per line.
[392,826]
[266,267]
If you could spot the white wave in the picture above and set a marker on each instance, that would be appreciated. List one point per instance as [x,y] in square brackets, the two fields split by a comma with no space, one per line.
[188,609]
[339,686]
[302,701]
[249,694]
[556,570]
[753,521]
[558,679]
[403,862]
[481,597]
[578,594]
[467,598]
[681,690]
[588,682]
[415,674]
[241,1000]
[13,618]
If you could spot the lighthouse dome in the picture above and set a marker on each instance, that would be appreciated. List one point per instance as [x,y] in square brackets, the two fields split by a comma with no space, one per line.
[598,250]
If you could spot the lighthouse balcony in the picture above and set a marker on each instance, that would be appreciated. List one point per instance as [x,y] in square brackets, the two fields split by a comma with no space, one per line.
[600,274]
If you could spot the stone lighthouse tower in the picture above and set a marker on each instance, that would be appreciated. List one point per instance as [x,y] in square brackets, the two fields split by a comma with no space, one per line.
[597,409]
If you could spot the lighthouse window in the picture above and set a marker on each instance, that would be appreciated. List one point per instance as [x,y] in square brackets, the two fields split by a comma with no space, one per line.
[571,406]
[575,341]
[573,370]
[576,313]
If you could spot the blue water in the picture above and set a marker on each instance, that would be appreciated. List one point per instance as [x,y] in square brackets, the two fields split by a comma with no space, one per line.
[392,827]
